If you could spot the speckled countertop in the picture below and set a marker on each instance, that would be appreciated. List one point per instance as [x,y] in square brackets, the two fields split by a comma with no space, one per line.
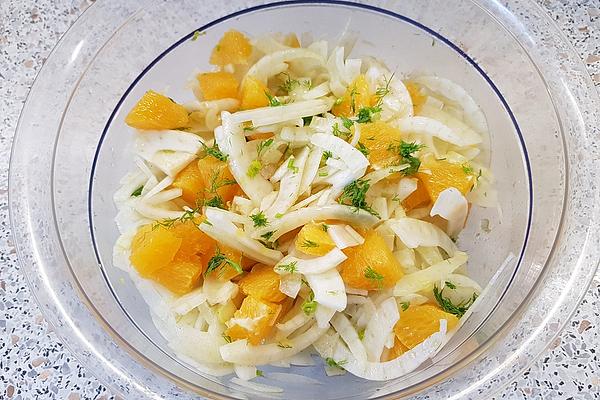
[35,365]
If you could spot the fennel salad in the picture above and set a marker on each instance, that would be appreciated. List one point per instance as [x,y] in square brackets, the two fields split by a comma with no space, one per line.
[305,203]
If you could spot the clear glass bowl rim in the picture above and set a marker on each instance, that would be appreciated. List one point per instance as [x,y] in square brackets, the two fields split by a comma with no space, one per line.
[566,304]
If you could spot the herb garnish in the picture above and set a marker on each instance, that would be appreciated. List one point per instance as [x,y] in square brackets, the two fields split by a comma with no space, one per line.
[259,373]
[290,268]
[137,192]
[187,215]
[354,194]
[259,219]
[262,146]
[404,305]
[267,236]
[214,151]
[447,305]
[291,166]
[327,154]
[335,364]
[363,149]
[254,168]
[310,305]
[307,244]
[405,151]
[219,260]
[273,100]
[373,275]
[227,338]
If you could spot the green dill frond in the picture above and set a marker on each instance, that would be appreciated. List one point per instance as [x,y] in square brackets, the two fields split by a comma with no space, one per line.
[137,192]
[254,168]
[446,304]
[219,261]
[355,194]
[213,151]
[262,146]
[259,219]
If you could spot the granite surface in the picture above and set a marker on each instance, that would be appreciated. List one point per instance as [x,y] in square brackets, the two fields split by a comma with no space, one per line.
[33,362]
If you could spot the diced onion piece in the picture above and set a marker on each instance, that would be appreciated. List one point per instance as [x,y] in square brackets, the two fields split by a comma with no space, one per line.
[425,278]
[402,365]
[323,315]
[349,335]
[155,212]
[405,188]
[218,292]
[170,151]
[245,372]
[352,157]
[290,285]
[199,346]
[162,197]
[290,186]
[316,265]
[262,70]
[240,352]
[310,169]
[231,141]
[329,289]
[414,233]
[273,115]
[294,219]
[188,302]
[379,328]
[219,226]
[358,292]
[242,205]
[429,127]
[163,184]
[453,207]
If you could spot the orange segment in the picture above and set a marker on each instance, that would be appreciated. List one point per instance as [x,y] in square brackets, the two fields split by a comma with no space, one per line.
[291,40]
[370,265]
[155,111]
[218,85]
[313,239]
[417,323]
[193,241]
[180,277]
[418,198]
[233,48]
[377,138]
[262,283]
[253,321]
[224,271]
[189,180]
[253,94]
[215,174]
[356,97]
[153,249]
[416,96]
[439,175]
[394,352]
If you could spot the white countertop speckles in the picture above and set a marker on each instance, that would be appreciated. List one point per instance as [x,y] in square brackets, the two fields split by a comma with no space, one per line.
[33,362]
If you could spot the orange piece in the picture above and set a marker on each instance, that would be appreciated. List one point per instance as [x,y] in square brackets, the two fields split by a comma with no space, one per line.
[253,94]
[153,248]
[439,175]
[394,352]
[218,85]
[180,277]
[378,137]
[418,98]
[215,174]
[233,48]
[190,181]
[417,323]
[291,40]
[370,265]
[253,321]
[155,111]
[418,198]
[224,271]
[313,239]
[193,241]
[262,283]
[356,97]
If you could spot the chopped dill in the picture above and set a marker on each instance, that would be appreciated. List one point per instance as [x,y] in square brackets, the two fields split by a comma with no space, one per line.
[353,94]
[404,305]
[347,122]
[335,364]
[214,151]
[219,261]
[273,100]
[254,168]
[338,132]
[259,219]
[373,275]
[290,268]
[227,338]
[324,173]
[338,101]
[260,373]
[327,154]
[278,215]
[268,235]
[405,151]
[284,345]
[196,35]
[361,333]
[262,146]
[450,285]
[446,304]
[307,244]
[310,305]
[187,215]
[307,120]
[467,169]
[354,194]
[363,149]
[137,192]
[367,114]
[325,227]
[291,166]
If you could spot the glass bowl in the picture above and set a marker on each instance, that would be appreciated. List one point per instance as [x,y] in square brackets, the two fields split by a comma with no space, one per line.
[540,253]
